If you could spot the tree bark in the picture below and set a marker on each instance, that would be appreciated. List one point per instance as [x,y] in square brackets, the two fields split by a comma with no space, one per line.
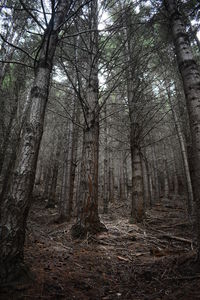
[73,163]
[7,137]
[47,179]
[137,207]
[106,167]
[69,168]
[63,205]
[156,183]
[184,157]
[165,173]
[16,203]
[88,218]
[191,81]
[52,194]
[145,183]
[111,177]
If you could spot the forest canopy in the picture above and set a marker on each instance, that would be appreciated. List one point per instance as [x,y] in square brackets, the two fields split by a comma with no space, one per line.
[99,106]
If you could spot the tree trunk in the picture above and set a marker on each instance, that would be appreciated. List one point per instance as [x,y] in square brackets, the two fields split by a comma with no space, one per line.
[106,167]
[111,177]
[184,157]
[191,81]
[149,181]
[69,169]
[52,194]
[7,137]
[88,218]
[175,180]
[166,182]
[156,197]
[16,203]
[137,207]
[122,195]
[47,179]
[63,205]
[145,183]
[73,163]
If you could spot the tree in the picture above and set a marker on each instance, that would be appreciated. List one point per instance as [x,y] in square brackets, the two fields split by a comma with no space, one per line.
[16,203]
[190,74]
[88,217]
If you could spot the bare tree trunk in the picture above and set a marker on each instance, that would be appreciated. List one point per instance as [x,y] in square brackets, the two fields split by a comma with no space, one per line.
[191,81]
[121,179]
[149,181]
[155,175]
[184,158]
[88,218]
[175,179]
[111,177]
[166,182]
[47,178]
[145,184]
[165,173]
[150,187]
[63,205]
[137,207]
[7,137]
[15,137]
[52,194]
[73,162]
[69,168]
[106,166]
[16,203]
[39,174]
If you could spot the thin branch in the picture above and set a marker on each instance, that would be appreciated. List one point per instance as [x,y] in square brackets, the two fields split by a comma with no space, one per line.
[44,12]
[31,15]
[16,62]
[16,47]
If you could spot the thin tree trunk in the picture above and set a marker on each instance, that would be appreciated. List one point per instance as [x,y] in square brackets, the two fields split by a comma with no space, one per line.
[155,173]
[69,168]
[52,194]
[63,196]
[121,179]
[7,137]
[149,181]
[145,184]
[165,173]
[166,182]
[111,177]
[184,158]
[106,167]
[175,179]
[47,179]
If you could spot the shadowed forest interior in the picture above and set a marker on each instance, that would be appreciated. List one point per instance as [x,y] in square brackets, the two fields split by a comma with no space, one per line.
[100,149]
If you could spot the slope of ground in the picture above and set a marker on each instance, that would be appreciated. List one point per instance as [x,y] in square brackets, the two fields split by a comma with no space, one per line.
[153,260]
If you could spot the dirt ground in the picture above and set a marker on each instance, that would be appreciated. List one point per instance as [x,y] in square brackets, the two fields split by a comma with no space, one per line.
[153,260]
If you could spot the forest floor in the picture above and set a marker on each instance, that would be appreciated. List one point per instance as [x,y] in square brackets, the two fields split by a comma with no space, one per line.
[153,260]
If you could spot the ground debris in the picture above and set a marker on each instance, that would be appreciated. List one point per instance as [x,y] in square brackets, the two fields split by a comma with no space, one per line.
[151,260]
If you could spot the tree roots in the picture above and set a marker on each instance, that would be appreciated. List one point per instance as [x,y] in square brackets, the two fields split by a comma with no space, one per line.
[80,230]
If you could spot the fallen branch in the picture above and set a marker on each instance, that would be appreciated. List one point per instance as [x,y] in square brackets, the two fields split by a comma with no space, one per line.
[123,258]
[177,238]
